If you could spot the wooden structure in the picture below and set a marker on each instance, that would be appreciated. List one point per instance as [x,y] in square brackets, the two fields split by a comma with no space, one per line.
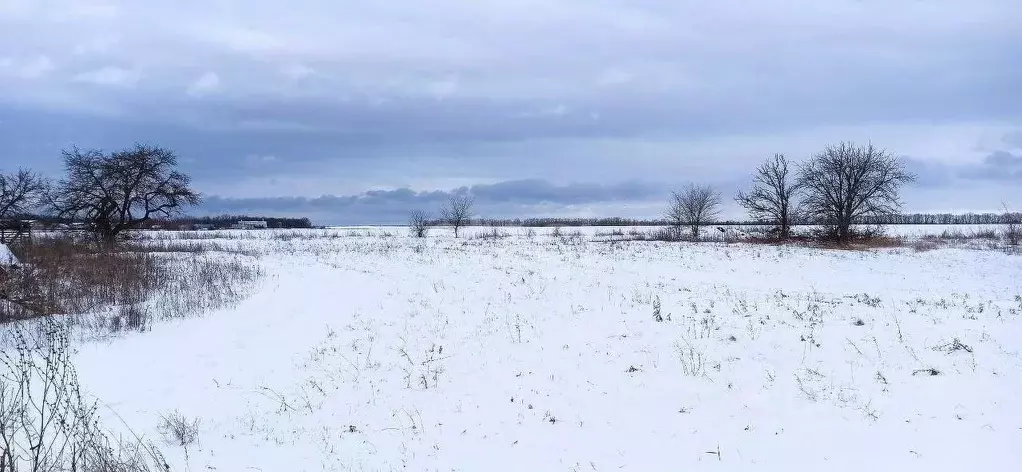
[15,231]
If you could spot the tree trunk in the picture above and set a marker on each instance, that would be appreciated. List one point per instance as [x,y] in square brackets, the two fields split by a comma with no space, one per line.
[784,227]
[844,233]
[108,238]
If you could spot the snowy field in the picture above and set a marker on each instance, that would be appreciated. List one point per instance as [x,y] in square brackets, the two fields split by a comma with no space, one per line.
[364,349]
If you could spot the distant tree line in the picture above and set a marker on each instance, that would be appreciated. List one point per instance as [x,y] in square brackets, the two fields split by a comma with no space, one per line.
[836,189]
[181,222]
[895,219]
[945,219]
[227,221]
[566,222]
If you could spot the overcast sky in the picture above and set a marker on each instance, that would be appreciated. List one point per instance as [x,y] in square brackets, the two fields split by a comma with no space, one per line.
[358,111]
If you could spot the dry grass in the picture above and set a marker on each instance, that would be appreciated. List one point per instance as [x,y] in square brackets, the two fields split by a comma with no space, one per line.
[925,246]
[864,243]
[124,289]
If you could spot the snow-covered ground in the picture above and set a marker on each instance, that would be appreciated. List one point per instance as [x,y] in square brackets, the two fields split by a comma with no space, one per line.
[363,351]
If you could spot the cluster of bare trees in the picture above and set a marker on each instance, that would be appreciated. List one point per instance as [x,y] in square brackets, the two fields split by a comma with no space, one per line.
[456,213]
[842,185]
[111,192]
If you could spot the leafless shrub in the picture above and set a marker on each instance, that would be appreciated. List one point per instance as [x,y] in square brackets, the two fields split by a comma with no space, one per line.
[493,233]
[1012,228]
[693,362]
[458,212]
[616,232]
[418,223]
[47,423]
[425,373]
[693,207]
[959,235]
[989,233]
[846,182]
[572,238]
[668,234]
[954,234]
[772,197]
[179,430]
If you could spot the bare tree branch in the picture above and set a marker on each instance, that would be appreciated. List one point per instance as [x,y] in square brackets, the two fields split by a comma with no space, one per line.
[20,192]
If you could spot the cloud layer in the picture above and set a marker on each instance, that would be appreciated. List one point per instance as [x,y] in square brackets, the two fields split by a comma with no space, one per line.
[500,200]
[264,100]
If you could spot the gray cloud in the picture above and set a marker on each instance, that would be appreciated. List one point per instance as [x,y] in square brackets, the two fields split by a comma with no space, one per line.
[998,166]
[436,68]
[928,174]
[502,199]
[348,95]
[1013,139]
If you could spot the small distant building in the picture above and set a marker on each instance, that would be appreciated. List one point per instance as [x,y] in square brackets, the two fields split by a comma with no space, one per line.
[254,224]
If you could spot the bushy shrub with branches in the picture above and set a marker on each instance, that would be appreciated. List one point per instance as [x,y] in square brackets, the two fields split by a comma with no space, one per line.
[418,223]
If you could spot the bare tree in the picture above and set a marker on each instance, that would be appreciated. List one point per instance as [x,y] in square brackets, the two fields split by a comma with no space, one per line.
[20,192]
[694,207]
[458,212]
[121,190]
[847,182]
[772,197]
[418,223]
